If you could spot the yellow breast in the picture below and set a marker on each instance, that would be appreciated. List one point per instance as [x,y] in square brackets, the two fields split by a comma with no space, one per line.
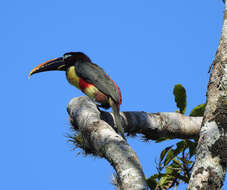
[74,80]
[72,77]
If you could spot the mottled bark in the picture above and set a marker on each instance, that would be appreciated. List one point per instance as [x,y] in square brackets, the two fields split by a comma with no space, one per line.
[100,139]
[210,165]
[152,125]
[163,124]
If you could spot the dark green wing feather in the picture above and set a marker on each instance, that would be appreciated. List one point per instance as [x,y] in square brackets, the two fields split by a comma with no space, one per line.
[92,73]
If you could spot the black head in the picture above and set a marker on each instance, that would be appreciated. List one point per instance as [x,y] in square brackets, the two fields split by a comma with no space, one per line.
[61,63]
[72,57]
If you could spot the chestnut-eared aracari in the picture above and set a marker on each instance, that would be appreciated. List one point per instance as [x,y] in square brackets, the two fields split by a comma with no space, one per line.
[89,78]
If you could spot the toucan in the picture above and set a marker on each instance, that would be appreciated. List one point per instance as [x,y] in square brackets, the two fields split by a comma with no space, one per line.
[90,79]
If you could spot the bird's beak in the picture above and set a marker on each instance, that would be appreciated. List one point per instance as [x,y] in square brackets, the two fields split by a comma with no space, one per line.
[51,65]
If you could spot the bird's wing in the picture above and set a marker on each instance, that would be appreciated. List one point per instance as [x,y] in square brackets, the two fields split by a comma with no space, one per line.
[92,73]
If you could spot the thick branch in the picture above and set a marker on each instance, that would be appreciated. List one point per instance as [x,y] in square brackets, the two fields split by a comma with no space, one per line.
[102,140]
[210,165]
[105,142]
[165,124]
[152,126]
[157,125]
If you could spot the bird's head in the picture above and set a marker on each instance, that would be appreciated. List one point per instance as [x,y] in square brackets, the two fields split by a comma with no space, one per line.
[61,63]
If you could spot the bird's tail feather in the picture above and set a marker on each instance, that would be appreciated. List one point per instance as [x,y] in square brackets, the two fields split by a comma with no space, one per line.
[117,118]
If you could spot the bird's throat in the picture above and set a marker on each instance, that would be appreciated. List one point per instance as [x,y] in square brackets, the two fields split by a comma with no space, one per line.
[72,77]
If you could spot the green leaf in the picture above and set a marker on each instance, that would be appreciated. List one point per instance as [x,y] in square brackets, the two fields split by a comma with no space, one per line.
[169,157]
[183,178]
[176,163]
[192,148]
[166,181]
[198,110]
[183,160]
[180,146]
[163,153]
[151,181]
[180,97]
[161,139]
[170,170]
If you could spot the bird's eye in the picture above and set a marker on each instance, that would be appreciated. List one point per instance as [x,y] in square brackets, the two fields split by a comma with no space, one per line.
[66,56]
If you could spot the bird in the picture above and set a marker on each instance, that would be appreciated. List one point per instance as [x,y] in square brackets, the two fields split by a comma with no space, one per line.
[91,79]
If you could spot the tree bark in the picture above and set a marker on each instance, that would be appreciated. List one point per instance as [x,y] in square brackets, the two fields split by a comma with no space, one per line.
[210,165]
[99,137]
[163,124]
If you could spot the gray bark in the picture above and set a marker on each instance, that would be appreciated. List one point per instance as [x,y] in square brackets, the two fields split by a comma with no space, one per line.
[100,138]
[210,165]
[163,124]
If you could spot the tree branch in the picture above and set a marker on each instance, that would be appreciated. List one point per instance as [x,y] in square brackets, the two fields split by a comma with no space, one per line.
[101,139]
[105,142]
[165,124]
[210,165]
[152,126]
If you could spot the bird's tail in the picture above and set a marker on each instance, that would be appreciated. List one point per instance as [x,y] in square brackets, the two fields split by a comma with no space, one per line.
[117,117]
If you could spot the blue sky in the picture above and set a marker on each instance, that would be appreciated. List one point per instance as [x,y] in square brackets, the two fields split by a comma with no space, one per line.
[145,46]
